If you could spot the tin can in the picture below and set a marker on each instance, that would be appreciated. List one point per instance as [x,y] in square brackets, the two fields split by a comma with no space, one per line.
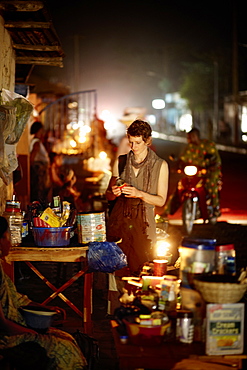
[160,267]
[185,326]
[91,227]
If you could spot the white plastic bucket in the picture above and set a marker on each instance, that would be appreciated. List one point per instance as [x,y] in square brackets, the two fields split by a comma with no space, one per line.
[91,227]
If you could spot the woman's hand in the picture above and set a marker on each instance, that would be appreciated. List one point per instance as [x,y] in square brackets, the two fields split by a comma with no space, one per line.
[131,192]
[116,190]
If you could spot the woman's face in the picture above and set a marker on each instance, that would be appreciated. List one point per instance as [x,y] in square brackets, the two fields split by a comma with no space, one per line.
[5,244]
[137,144]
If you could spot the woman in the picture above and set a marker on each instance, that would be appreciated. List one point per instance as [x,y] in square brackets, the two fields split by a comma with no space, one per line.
[39,165]
[132,218]
[55,350]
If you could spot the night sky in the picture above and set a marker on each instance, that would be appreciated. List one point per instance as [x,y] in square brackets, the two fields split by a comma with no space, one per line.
[125,48]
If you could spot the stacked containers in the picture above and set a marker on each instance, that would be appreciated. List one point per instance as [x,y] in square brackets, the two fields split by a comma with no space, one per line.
[197,257]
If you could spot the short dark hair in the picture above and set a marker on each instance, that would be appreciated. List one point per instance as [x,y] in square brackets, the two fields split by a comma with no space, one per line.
[36,126]
[194,130]
[140,128]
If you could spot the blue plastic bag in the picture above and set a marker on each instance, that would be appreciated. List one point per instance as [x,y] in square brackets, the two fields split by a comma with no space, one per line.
[105,257]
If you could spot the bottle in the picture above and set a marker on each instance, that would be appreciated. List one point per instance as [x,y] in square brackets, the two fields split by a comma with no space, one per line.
[168,293]
[15,220]
[225,259]
[185,326]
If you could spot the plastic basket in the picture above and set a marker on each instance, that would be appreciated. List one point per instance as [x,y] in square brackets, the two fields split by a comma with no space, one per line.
[51,236]
[213,292]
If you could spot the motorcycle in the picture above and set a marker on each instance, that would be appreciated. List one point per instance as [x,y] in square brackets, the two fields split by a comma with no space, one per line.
[192,194]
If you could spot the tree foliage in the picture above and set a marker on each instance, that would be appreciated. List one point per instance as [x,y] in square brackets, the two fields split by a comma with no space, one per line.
[198,85]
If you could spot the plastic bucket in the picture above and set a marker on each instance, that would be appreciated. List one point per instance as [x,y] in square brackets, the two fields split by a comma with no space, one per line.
[197,257]
[91,227]
[51,236]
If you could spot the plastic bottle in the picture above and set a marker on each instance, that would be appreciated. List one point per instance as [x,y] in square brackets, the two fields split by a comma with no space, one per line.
[225,259]
[15,220]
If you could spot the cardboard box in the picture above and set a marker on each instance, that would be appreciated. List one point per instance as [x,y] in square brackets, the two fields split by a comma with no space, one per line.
[225,329]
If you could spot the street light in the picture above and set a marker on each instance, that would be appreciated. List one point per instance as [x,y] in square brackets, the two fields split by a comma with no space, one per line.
[159,104]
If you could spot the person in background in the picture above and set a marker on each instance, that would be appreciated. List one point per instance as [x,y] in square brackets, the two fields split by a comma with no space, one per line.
[202,153]
[23,347]
[39,165]
[68,191]
[56,161]
[146,181]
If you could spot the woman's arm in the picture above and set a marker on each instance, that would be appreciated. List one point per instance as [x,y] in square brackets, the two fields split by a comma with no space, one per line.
[11,328]
[112,191]
[156,200]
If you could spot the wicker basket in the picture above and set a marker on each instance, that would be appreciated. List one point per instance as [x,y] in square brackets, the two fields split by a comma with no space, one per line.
[213,292]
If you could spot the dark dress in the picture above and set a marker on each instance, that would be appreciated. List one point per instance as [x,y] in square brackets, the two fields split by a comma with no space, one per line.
[132,220]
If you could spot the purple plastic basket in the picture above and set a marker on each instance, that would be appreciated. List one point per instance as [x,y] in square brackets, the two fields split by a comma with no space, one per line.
[51,236]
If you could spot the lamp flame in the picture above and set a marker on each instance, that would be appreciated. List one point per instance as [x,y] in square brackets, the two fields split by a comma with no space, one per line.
[162,247]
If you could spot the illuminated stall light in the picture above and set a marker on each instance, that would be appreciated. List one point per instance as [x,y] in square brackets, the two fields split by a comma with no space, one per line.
[158,104]
[102,155]
[73,143]
[73,105]
[244,120]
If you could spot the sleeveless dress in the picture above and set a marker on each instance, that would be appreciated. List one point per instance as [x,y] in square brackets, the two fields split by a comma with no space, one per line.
[131,219]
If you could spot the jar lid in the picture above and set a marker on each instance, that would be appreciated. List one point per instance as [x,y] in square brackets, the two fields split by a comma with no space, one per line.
[184,314]
[201,244]
[170,277]
[224,247]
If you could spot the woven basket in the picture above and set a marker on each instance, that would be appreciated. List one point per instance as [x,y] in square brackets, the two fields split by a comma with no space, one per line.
[220,292]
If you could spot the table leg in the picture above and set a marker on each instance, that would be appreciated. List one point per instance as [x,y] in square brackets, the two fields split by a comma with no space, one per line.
[57,292]
[87,303]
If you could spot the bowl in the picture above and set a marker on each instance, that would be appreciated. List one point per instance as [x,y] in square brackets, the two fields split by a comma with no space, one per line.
[143,335]
[51,236]
[38,318]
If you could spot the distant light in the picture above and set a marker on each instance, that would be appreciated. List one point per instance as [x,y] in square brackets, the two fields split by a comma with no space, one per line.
[158,104]
[244,120]
[185,122]
[151,119]
[73,105]
[108,119]
[102,155]
[244,138]
[72,143]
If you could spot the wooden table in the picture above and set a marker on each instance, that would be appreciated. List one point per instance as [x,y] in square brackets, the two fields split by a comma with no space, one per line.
[168,354]
[29,254]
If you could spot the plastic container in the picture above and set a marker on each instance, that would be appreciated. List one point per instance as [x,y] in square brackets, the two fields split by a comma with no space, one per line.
[51,236]
[91,227]
[15,220]
[197,257]
[225,259]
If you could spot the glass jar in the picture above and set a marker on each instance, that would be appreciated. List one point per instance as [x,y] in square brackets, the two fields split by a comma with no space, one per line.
[15,220]
[225,259]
